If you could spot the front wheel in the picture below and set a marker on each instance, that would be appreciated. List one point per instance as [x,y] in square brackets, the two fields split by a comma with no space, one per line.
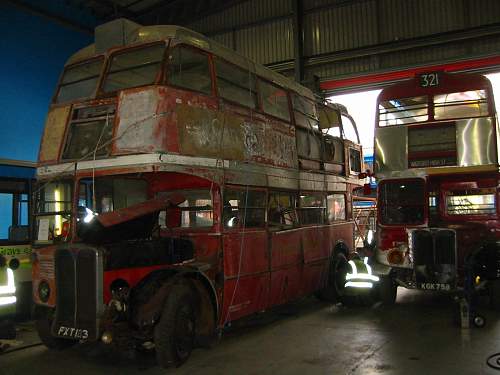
[494,287]
[387,290]
[174,334]
[334,291]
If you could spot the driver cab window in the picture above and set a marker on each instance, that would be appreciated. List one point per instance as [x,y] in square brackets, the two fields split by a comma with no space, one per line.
[195,211]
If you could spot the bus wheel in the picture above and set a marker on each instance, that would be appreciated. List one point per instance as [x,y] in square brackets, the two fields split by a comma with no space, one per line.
[387,290]
[495,294]
[174,334]
[337,272]
[43,325]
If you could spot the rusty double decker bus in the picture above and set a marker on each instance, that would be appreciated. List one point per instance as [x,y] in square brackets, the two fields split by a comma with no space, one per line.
[436,160]
[181,186]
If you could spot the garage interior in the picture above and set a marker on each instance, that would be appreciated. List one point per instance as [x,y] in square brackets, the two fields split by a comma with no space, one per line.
[343,51]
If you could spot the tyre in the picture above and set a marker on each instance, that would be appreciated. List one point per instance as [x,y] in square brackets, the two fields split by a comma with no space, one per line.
[334,291]
[174,335]
[494,289]
[43,324]
[387,290]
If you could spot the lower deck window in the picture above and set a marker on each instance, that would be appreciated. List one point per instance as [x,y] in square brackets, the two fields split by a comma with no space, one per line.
[281,209]
[311,209]
[244,208]
[196,210]
[470,203]
[336,207]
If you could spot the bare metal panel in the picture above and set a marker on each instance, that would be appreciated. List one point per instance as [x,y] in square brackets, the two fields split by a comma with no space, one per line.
[136,122]
[390,149]
[53,134]
[475,142]
[312,181]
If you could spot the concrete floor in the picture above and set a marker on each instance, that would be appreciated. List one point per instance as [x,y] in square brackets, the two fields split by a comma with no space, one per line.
[416,336]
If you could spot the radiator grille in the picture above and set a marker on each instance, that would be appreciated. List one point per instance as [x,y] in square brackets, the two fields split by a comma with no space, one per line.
[79,291]
[434,255]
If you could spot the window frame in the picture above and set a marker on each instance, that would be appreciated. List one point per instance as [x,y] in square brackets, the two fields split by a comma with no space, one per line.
[300,208]
[469,192]
[211,69]
[96,90]
[294,109]
[335,221]
[15,217]
[260,102]
[425,105]
[247,71]
[112,54]
[276,227]
[239,226]
[424,203]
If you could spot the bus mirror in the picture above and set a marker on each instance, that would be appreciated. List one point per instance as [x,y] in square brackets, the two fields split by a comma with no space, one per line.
[173,219]
[328,118]
[367,189]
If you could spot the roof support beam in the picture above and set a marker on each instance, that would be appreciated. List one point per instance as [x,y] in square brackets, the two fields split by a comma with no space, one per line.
[50,16]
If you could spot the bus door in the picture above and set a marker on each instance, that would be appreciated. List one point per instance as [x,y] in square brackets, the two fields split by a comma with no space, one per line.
[286,248]
[246,258]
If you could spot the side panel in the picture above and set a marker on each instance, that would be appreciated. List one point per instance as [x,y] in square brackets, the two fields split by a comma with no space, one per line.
[286,265]
[246,273]
[391,149]
[475,142]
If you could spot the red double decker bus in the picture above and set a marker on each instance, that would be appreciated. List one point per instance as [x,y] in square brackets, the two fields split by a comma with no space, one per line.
[436,160]
[182,186]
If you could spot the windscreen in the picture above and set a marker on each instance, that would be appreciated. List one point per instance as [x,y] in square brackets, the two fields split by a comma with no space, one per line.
[401,202]
[79,81]
[52,211]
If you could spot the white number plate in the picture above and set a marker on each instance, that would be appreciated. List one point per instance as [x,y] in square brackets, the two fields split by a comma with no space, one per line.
[74,333]
[434,286]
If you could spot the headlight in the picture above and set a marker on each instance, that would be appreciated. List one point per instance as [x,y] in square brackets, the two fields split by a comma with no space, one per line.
[43,291]
[14,264]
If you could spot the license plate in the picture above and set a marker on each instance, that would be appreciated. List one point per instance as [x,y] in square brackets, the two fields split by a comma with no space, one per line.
[72,333]
[434,286]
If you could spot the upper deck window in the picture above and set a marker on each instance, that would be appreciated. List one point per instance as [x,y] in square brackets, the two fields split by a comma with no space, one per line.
[235,84]
[133,68]
[403,111]
[188,68]
[304,112]
[79,81]
[460,105]
[274,100]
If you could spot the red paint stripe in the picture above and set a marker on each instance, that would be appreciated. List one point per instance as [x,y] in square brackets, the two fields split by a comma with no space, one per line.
[409,73]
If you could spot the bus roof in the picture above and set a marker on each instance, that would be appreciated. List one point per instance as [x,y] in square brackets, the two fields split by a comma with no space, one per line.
[147,34]
[448,83]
